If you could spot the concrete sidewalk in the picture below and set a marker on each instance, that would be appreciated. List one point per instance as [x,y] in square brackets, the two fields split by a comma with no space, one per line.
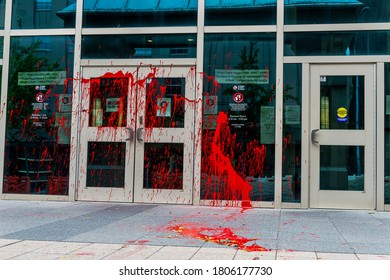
[85,230]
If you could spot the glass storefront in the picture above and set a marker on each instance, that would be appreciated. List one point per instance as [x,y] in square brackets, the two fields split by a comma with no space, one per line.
[337,43]
[292,130]
[336,11]
[39,110]
[133,13]
[244,153]
[238,139]
[41,14]
[139,46]
[240,12]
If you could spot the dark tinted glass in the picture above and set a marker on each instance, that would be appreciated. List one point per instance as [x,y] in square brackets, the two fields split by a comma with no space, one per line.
[336,11]
[337,43]
[39,14]
[139,46]
[240,12]
[387,133]
[128,13]
[39,111]
[238,136]
[292,125]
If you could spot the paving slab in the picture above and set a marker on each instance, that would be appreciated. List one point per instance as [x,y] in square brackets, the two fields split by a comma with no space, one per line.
[291,255]
[174,253]
[61,248]
[26,246]
[37,256]
[133,252]
[214,254]
[336,256]
[244,255]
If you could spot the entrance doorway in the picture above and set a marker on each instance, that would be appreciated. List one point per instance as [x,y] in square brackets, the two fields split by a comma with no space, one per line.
[342,136]
[137,125]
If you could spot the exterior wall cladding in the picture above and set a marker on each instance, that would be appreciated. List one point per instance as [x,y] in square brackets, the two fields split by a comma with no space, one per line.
[247,103]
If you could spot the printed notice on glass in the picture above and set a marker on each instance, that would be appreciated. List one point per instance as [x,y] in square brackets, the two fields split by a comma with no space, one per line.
[112,105]
[256,77]
[210,105]
[267,125]
[164,107]
[41,78]
[292,114]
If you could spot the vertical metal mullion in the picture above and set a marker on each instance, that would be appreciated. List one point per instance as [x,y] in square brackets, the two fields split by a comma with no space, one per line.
[380,137]
[197,148]
[4,84]
[76,106]
[305,135]
[279,104]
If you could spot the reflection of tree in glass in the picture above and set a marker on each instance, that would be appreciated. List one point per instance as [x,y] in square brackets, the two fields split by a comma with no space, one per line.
[20,98]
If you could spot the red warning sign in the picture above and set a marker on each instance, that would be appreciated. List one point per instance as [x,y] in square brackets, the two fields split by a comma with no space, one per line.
[39,97]
[238,97]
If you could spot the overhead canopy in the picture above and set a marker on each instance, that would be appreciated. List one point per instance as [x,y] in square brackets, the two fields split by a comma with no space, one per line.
[128,6]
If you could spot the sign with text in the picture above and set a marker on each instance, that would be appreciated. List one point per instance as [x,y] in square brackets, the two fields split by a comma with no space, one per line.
[257,76]
[41,78]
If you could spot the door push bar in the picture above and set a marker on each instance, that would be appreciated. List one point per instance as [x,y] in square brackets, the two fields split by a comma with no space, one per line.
[131,134]
[313,133]
[139,132]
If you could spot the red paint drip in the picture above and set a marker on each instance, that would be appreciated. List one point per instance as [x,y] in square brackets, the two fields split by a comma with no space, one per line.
[223,236]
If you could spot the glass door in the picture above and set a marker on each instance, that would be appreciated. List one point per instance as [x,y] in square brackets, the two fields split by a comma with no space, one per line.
[107,131]
[136,134]
[165,135]
[342,136]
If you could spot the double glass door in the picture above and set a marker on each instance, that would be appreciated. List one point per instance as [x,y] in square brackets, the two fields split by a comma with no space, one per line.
[135,136]
[342,136]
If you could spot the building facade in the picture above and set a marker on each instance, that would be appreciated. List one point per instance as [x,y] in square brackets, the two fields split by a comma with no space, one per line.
[263,103]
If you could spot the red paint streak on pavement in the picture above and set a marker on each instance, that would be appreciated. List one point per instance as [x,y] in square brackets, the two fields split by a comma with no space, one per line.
[137,242]
[223,236]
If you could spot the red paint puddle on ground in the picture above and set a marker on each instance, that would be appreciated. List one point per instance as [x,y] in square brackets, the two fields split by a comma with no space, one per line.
[223,236]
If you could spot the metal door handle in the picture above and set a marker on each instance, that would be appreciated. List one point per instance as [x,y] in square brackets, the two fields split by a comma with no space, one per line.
[139,132]
[313,133]
[131,134]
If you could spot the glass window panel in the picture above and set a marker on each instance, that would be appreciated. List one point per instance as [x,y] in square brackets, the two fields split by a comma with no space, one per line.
[1,47]
[108,102]
[131,13]
[240,12]
[387,133]
[40,14]
[342,102]
[39,110]
[163,166]
[139,46]
[337,43]
[43,5]
[342,168]
[2,13]
[165,102]
[336,11]
[238,138]
[106,164]
[292,125]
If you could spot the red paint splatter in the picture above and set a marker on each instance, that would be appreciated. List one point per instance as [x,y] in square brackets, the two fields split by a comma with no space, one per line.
[225,176]
[223,236]
[137,242]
